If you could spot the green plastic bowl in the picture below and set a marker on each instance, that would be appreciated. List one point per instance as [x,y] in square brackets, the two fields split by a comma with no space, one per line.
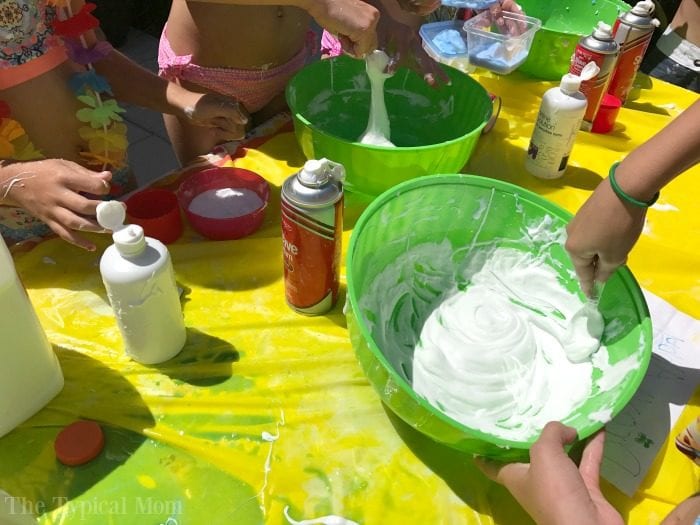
[563,24]
[435,130]
[437,213]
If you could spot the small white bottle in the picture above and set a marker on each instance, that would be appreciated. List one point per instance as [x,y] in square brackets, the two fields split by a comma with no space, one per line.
[140,282]
[559,119]
[30,375]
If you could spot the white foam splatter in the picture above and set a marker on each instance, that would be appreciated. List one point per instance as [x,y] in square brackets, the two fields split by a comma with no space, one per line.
[323,520]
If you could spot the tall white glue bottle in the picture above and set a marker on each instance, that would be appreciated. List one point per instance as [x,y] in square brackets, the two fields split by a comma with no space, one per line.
[559,119]
[140,282]
[30,375]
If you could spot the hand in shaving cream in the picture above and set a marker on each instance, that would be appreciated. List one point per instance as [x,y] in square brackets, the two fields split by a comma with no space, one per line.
[606,227]
[601,235]
[552,489]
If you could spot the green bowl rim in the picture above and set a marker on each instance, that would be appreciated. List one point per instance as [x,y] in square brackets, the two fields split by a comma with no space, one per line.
[618,4]
[430,180]
[476,131]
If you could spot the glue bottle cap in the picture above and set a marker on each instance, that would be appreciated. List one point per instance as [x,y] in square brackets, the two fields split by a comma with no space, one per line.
[571,83]
[129,240]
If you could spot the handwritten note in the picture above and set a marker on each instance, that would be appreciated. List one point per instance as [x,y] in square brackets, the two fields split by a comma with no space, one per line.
[635,436]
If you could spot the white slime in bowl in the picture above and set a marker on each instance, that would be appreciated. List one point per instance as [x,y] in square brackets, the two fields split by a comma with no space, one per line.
[225,203]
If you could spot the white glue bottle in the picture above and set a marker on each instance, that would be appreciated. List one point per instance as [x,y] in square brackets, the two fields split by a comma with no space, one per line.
[559,119]
[140,282]
[30,375]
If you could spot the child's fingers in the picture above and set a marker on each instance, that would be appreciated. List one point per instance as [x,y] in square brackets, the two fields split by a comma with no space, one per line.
[227,130]
[232,110]
[591,460]
[84,180]
[70,236]
[73,220]
[508,474]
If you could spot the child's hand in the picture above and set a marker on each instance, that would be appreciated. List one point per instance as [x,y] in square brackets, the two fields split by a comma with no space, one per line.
[51,191]
[226,116]
[601,235]
[551,488]
[514,27]
[404,46]
[353,21]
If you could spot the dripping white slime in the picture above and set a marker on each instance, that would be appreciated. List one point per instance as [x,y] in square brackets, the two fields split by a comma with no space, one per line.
[378,132]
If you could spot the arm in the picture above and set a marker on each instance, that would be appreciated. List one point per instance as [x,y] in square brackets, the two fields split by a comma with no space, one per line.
[51,191]
[134,84]
[606,228]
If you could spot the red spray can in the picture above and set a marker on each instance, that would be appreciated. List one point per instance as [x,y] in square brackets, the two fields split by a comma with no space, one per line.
[632,31]
[601,48]
[312,233]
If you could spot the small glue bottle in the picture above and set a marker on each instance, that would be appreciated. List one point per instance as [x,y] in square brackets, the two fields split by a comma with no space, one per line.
[140,282]
[559,119]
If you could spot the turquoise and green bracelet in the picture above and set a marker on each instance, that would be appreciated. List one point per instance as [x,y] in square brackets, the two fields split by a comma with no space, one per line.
[624,196]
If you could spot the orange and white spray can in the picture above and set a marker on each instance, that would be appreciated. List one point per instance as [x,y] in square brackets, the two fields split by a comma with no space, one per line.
[312,233]
[601,48]
[632,31]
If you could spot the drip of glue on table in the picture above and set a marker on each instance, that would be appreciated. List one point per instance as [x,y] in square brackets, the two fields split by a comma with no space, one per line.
[378,132]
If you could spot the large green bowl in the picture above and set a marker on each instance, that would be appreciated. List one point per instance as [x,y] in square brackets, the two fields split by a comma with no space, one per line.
[408,227]
[563,24]
[435,130]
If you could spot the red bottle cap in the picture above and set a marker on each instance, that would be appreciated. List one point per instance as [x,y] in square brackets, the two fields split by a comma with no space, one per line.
[607,114]
[79,443]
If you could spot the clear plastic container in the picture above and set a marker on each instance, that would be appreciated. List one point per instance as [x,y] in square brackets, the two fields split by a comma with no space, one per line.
[437,43]
[500,45]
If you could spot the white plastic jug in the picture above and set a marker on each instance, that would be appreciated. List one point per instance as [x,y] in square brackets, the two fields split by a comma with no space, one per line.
[30,375]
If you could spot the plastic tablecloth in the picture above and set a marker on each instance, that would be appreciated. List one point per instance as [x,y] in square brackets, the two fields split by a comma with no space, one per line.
[265,409]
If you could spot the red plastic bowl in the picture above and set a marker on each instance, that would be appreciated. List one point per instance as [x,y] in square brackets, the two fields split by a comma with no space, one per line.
[216,178]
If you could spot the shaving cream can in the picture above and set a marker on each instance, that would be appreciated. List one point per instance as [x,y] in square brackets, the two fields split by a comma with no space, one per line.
[312,232]
[632,31]
[601,48]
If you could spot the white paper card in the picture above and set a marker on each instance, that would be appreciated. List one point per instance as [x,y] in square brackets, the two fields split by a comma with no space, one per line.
[635,436]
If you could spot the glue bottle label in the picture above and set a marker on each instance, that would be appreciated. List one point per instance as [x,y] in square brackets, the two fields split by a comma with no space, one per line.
[551,143]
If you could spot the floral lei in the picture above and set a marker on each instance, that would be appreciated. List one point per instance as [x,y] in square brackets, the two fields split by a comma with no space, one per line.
[104,130]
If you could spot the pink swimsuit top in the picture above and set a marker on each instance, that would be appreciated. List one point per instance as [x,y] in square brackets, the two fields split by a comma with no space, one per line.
[25,31]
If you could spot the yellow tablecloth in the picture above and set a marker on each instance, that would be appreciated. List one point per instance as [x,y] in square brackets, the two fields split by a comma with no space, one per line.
[185,440]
